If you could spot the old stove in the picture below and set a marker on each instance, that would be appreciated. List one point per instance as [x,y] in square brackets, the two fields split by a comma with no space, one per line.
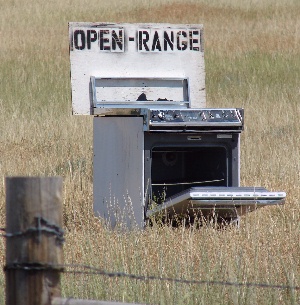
[158,150]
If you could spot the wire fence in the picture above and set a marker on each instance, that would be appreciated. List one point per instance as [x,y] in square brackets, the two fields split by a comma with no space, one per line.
[91,270]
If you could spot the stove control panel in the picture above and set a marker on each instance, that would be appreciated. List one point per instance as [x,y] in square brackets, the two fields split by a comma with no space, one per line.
[196,116]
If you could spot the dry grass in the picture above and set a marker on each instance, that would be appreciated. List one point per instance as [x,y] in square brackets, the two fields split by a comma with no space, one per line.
[252,61]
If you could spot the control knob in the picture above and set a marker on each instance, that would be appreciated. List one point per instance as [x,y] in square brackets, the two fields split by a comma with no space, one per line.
[161,115]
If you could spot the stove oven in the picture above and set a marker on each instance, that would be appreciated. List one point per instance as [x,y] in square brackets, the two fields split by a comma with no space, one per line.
[187,149]
[157,148]
[179,163]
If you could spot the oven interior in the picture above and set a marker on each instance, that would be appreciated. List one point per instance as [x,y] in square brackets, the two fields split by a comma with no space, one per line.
[175,169]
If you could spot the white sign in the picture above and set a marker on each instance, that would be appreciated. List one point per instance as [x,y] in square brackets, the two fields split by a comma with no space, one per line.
[134,51]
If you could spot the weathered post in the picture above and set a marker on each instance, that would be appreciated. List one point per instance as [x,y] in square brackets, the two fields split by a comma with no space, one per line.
[34,239]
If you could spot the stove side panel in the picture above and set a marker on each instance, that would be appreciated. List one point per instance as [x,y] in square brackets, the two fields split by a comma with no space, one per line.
[118,170]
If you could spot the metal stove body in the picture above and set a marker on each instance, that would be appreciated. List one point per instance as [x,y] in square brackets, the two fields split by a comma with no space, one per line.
[157,148]
[175,163]
[188,149]
[192,166]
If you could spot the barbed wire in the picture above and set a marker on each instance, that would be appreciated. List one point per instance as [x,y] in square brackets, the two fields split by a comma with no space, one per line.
[96,271]
[42,225]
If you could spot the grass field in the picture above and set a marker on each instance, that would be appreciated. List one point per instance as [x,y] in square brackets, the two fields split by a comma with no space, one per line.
[252,56]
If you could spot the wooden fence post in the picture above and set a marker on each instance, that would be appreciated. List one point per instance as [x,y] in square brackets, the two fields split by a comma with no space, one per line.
[34,240]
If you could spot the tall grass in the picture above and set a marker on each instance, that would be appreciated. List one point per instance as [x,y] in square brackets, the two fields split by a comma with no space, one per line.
[252,51]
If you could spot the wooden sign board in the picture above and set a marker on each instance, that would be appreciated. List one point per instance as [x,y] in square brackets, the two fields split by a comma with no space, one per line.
[136,65]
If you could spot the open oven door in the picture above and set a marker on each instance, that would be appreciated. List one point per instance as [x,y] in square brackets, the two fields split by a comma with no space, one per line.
[222,203]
